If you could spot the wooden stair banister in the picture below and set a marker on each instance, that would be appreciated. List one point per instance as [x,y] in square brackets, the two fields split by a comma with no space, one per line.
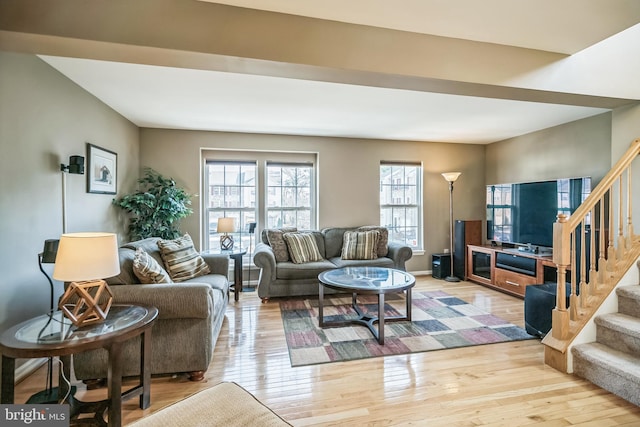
[609,256]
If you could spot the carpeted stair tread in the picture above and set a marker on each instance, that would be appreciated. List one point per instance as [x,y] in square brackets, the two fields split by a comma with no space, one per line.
[610,369]
[629,300]
[619,331]
[621,323]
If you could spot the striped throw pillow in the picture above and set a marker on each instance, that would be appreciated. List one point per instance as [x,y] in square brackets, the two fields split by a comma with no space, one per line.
[360,244]
[181,260]
[147,269]
[383,240]
[302,247]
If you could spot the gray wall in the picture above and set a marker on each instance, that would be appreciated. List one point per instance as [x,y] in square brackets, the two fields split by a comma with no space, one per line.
[45,118]
[576,149]
[348,175]
[626,128]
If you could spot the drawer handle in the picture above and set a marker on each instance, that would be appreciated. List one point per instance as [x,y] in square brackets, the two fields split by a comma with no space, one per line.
[509,282]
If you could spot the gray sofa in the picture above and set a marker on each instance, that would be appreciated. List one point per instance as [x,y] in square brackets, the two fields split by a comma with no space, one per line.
[285,278]
[190,316]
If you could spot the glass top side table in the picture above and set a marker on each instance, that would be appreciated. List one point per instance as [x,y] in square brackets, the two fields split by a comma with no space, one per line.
[49,336]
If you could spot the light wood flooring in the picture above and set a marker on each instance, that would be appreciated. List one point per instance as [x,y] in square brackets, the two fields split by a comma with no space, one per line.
[492,385]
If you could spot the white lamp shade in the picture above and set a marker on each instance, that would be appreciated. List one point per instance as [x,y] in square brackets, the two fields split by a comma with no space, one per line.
[226,225]
[451,176]
[86,256]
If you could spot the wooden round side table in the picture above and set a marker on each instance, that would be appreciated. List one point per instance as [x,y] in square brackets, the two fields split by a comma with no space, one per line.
[54,335]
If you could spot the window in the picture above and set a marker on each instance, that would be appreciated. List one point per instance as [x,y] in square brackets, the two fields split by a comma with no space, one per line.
[231,193]
[401,202]
[290,196]
[500,212]
[269,189]
[571,194]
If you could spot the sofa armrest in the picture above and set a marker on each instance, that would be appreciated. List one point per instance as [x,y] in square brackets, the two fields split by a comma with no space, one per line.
[265,259]
[173,301]
[400,254]
[218,263]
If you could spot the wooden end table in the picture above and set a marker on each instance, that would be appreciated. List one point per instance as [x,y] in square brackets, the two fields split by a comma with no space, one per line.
[236,255]
[54,335]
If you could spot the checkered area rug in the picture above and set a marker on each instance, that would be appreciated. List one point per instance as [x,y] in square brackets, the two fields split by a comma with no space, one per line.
[439,321]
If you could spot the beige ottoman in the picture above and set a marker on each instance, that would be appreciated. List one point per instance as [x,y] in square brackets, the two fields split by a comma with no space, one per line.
[225,404]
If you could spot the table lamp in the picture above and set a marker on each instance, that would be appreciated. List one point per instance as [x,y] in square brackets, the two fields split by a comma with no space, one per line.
[84,259]
[226,225]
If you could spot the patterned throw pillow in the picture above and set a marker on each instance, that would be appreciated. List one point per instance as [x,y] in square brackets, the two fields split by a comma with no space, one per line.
[147,269]
[360,244]
[383,240]
[181,260]
[302,247]
[277,243]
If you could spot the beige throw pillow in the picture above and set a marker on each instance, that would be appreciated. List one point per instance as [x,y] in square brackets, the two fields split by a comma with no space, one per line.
[181,260]
[383,240]
[147,269]
[302,247]
[360,244]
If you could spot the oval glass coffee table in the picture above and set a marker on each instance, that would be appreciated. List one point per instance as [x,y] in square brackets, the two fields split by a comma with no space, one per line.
[366,280]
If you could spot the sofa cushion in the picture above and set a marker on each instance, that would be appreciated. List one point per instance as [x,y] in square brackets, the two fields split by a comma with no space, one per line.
[275,239]
[383,240]
[333,239]
[126,276]
[148,270]
[378,262]
[360,244]
[216,281]
[302,247]
[181,260]
[149,245]
[310,270]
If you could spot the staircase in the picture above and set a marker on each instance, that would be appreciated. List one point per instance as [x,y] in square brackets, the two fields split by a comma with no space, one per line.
[613,360]
[593,250]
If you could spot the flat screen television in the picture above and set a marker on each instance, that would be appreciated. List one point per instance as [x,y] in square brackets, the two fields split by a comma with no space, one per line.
[524,213]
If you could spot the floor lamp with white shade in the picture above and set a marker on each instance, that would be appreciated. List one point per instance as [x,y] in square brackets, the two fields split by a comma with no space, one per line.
[451,177]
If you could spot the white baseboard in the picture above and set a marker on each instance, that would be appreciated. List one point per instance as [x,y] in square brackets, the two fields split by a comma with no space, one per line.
[421,273]
[28,368]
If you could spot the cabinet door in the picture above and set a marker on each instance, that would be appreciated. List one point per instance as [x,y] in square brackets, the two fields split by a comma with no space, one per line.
[512,282]
[480,264]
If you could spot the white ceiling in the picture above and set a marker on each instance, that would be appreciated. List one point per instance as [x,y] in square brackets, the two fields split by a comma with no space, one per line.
[179,98]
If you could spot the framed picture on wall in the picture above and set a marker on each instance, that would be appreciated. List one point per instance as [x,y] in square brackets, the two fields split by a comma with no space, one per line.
[102,170]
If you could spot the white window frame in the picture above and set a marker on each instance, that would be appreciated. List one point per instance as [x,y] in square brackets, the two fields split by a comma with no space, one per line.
[243,214]
[260,159]
[402,203]
[299,209]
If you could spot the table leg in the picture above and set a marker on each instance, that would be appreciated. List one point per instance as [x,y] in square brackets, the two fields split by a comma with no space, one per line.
[237,276]
[409,304]
[114,380]
[145,369]
[320,305]
[8,379]
[381,319]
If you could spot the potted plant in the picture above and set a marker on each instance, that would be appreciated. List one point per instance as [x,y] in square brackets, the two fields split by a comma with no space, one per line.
[155,207]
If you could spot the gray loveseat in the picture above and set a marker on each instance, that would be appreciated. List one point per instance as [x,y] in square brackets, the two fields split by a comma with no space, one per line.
[190,316]
[285,278]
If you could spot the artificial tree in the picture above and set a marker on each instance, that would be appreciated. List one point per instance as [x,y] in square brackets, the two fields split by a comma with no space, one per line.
[155,207]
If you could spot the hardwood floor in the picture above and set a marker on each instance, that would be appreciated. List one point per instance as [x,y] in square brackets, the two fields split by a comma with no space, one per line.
[492,385]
